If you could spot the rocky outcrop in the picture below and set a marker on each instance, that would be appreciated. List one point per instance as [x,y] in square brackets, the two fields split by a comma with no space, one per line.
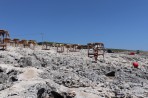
[47,74]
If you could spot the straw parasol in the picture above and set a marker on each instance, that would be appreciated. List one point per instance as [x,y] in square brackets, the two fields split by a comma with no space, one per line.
[4,34]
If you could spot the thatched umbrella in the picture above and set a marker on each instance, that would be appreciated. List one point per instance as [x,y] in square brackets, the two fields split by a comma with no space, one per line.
[16,41]
[4,34]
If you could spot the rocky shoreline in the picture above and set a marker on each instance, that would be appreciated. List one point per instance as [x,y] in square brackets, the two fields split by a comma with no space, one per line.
[26,73]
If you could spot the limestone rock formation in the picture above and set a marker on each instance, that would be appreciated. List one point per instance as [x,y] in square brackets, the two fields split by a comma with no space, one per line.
[26,73]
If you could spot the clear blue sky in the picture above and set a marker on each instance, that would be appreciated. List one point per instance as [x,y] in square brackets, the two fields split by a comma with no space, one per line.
[116,23]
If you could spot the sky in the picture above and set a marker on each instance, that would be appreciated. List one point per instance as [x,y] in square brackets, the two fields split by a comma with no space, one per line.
[121,24]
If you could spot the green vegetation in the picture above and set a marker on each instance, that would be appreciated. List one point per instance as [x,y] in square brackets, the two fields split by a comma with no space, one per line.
[40,43]
[119,50]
